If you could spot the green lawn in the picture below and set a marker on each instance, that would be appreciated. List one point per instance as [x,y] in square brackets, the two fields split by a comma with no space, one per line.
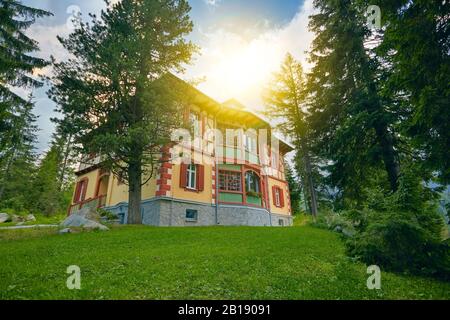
[194,263]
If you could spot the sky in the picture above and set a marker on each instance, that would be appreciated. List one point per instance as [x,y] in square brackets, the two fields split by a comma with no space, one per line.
[242,42]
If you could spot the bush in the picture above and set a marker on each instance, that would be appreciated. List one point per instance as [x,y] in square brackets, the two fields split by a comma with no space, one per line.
[402,241]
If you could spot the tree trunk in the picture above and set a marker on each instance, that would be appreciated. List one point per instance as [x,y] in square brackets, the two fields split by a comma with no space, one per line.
[134,193]
[312,190]
[66,151]
[303,186]
[389,155]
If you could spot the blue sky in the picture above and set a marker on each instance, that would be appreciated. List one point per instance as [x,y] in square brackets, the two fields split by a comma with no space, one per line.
[242,42]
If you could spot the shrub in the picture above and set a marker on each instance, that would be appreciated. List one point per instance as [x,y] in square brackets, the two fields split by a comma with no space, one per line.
[402,241]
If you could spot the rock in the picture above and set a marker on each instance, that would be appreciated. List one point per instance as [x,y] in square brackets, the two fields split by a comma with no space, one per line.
[77,220]
[88,213]
[4,217]
[30,217]
[20,223]
[16,218]
[65,230]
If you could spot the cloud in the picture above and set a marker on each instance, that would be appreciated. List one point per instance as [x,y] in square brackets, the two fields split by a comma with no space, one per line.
[212,2]
[236,66]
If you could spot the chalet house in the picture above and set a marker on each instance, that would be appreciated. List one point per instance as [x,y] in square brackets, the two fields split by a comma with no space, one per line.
[231,186]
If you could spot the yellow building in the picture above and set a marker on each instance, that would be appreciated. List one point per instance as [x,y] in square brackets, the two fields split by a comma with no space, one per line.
[231,173]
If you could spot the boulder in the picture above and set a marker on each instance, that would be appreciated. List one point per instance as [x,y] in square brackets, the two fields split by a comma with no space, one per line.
[16,218]
[4,217]
[77,220]
[65,230]
[30,217]
[88,213]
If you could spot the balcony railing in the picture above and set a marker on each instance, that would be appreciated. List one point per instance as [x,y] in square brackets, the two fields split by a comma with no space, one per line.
[230,152]
[97,202]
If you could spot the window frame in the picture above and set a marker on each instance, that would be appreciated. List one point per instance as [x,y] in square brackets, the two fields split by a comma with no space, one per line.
[228,173]
[248,183]
[191,174]
[277,200]
[195,218]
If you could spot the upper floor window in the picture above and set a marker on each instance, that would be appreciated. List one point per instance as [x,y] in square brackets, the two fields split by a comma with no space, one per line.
[195,124]
[191,178]
[274,160]
[250,143]
[252,182]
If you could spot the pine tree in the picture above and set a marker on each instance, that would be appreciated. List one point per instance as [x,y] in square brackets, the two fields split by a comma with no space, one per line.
[112,95]
[17,160]
[352,123]
[285,102]
[16,63]
[416,48]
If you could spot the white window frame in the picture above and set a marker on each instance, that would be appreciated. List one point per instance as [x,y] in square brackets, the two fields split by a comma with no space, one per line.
[274,160]
[195,122]
[277,197]
[191,179]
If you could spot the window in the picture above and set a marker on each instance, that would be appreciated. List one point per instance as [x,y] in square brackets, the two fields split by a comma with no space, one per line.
[195,124]
[250,144]
[191,177]
[251,182]
[274,160]
[191,215]
[281,222]
[277,197]
[230,181]
[80,191]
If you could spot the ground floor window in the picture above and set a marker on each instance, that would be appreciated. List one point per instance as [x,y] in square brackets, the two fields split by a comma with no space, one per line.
[278,198]
[230,181]
[252,182]
[191,176]
[80,191]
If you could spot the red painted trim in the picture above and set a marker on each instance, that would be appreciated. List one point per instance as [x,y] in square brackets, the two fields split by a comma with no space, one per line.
[76,198]
[99,179]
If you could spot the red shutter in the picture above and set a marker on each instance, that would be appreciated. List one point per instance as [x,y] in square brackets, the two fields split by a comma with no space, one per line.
[85,183]
[281,198]
[274,197]
[200,177]
[183,173]
[76,196]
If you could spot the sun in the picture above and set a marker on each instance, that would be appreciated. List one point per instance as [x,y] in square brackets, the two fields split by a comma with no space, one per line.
[242,69]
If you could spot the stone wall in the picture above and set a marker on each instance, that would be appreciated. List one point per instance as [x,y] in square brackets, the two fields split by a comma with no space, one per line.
[172,212]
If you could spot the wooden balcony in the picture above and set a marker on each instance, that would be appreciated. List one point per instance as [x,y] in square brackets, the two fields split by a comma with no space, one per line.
[97,202]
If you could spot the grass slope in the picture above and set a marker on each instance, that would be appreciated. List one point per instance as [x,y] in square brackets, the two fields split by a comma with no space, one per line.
[138,262]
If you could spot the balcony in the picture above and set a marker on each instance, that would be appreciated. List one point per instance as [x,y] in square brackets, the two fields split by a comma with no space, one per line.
[232,154]
[97,202]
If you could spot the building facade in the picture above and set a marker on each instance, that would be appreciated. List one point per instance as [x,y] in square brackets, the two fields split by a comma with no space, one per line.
[231,172]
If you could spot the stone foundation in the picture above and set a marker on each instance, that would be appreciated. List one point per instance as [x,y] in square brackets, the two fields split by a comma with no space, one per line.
[172,212]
